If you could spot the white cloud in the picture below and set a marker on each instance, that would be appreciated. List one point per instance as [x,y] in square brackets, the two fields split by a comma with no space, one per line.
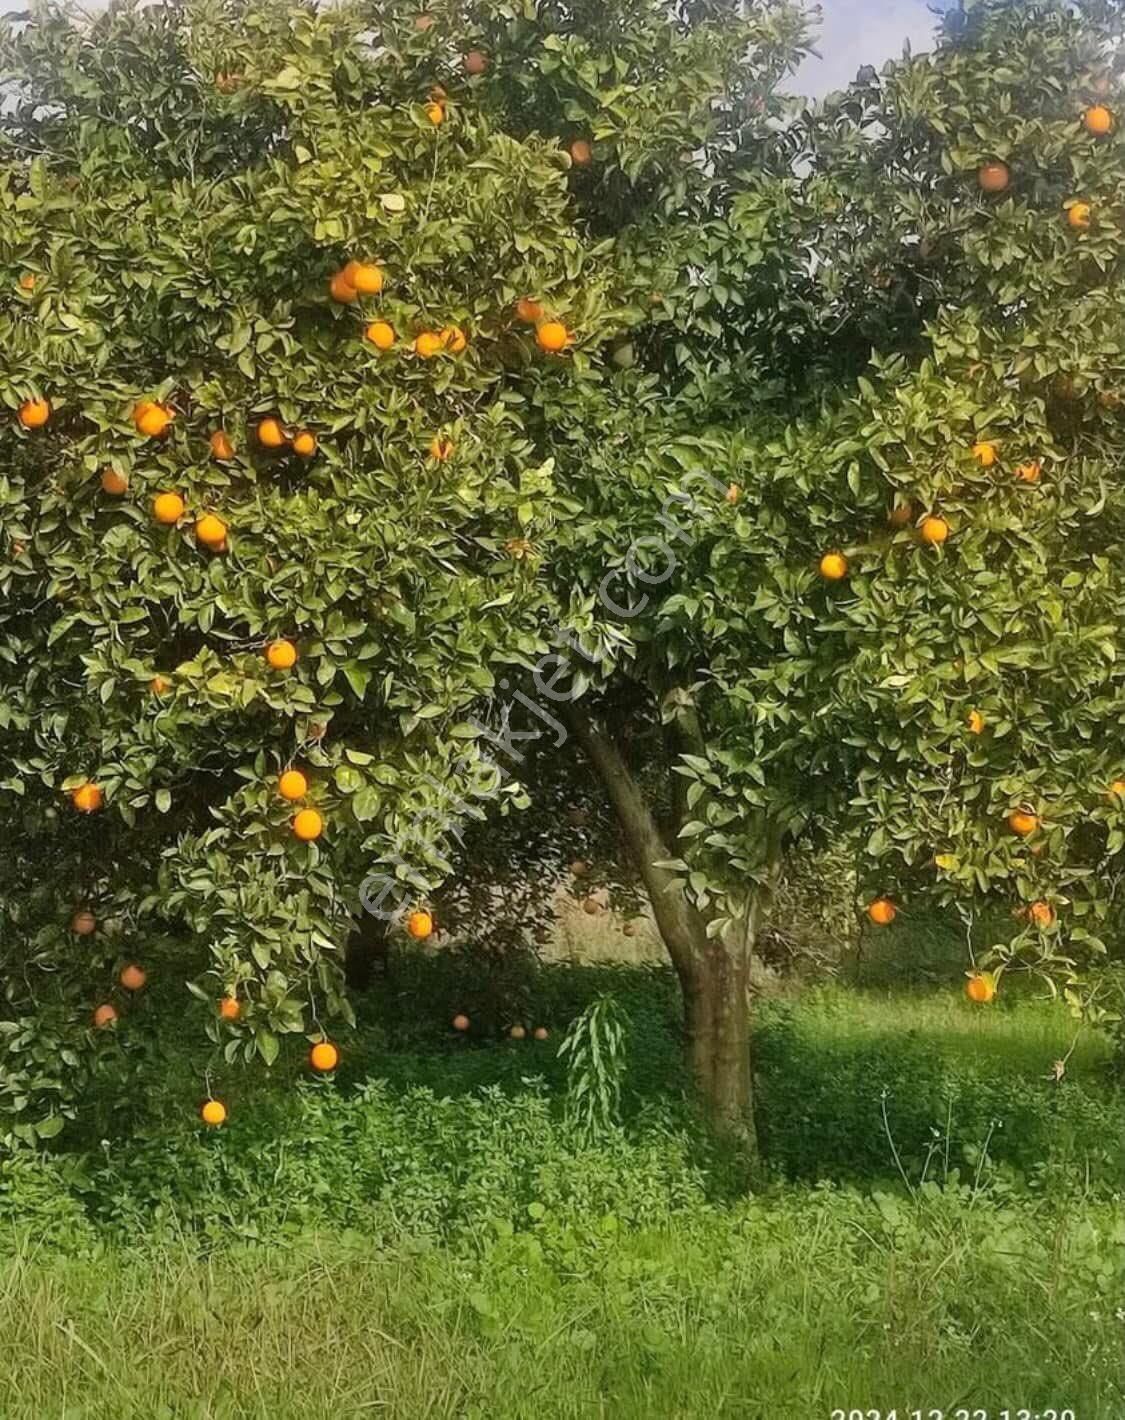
[856,32]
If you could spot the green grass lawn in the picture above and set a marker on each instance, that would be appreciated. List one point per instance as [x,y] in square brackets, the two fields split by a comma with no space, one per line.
[787,1306]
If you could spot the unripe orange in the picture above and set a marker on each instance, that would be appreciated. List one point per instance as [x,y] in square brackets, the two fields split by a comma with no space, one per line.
[304,444]
[882,911]
[167,508]
[308,825]
[292,785]
[833,566]
[282,655]
[114,483]
[420,925]
[87,798]
[552,336]
[270,434]
[34,413]
[211,531]
[364,277]
[214,1113]
[324,1056]
[381,334]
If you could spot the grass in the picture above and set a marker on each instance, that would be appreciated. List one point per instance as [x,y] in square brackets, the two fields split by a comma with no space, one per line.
[786,1306]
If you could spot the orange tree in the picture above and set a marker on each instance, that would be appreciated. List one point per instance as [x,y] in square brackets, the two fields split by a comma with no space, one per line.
[868,593]
[289,296]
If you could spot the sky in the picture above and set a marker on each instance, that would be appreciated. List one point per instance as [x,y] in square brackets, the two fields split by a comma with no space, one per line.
[856,32]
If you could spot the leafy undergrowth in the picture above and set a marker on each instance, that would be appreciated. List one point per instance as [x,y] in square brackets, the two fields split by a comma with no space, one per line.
[788,1305]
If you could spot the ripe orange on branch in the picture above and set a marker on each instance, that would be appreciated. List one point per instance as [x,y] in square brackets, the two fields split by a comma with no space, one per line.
[167,508]
[304,443]
[230,1008]
[83,923]
[87,798]
[114,483]
[441,448]
[133,977]
[364,277]
[292,785]
[271,435]
[994,176]
[213,1112]
[104,1016]
[324,1056]
[221,446]
[975,722]
[882,911]
[985,454]
[342,290]
[1029,472]
[1022,822]
[1041,913]
[151,420]
[981,988]
[460,1022]
[282,655]
[833,566]
[428,344]
[934,530]
[581,153]
[420,925]
[381,334]
[211,532]
[308,825]
[1098,120]
[552,336]
[528,311]
[454,339]
[34,413]
[1079,215]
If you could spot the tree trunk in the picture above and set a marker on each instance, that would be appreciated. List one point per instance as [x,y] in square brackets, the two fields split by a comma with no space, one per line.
[713,972]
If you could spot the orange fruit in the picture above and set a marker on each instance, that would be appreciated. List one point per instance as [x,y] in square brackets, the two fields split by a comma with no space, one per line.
[83,923]
[528,310]
[975,722]
[985,454]
[113,482]
[1098,120]
[882,911]
[342,290]
[552,336]
[435,112]
[1023,823]
[324,1056]
[900,515]
[1029,472]
[167,508]
[475,62]
[441,449]
[380,334]
[214,1113]
[150,419]
[629,929]
[133,977]
[420,924]
[581,152]
[461,1023]
[364,277]
[833,566]
[428,344]
[1078,214]
[221,446]
[270,434]
[304,443]
[308,825]
[104,1016]
[994,176]
[541,1033]
[980,988]
[591,907]
[230,1008]
[454,339]
[517,1032]
[1118,787]
[34,413]
[87,798]
[934,530]
[27,281]
[292,785]
[424,22]
[579,868]
[282,655]
[1041,913]
[211,531]
[158,685]
[733,493]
